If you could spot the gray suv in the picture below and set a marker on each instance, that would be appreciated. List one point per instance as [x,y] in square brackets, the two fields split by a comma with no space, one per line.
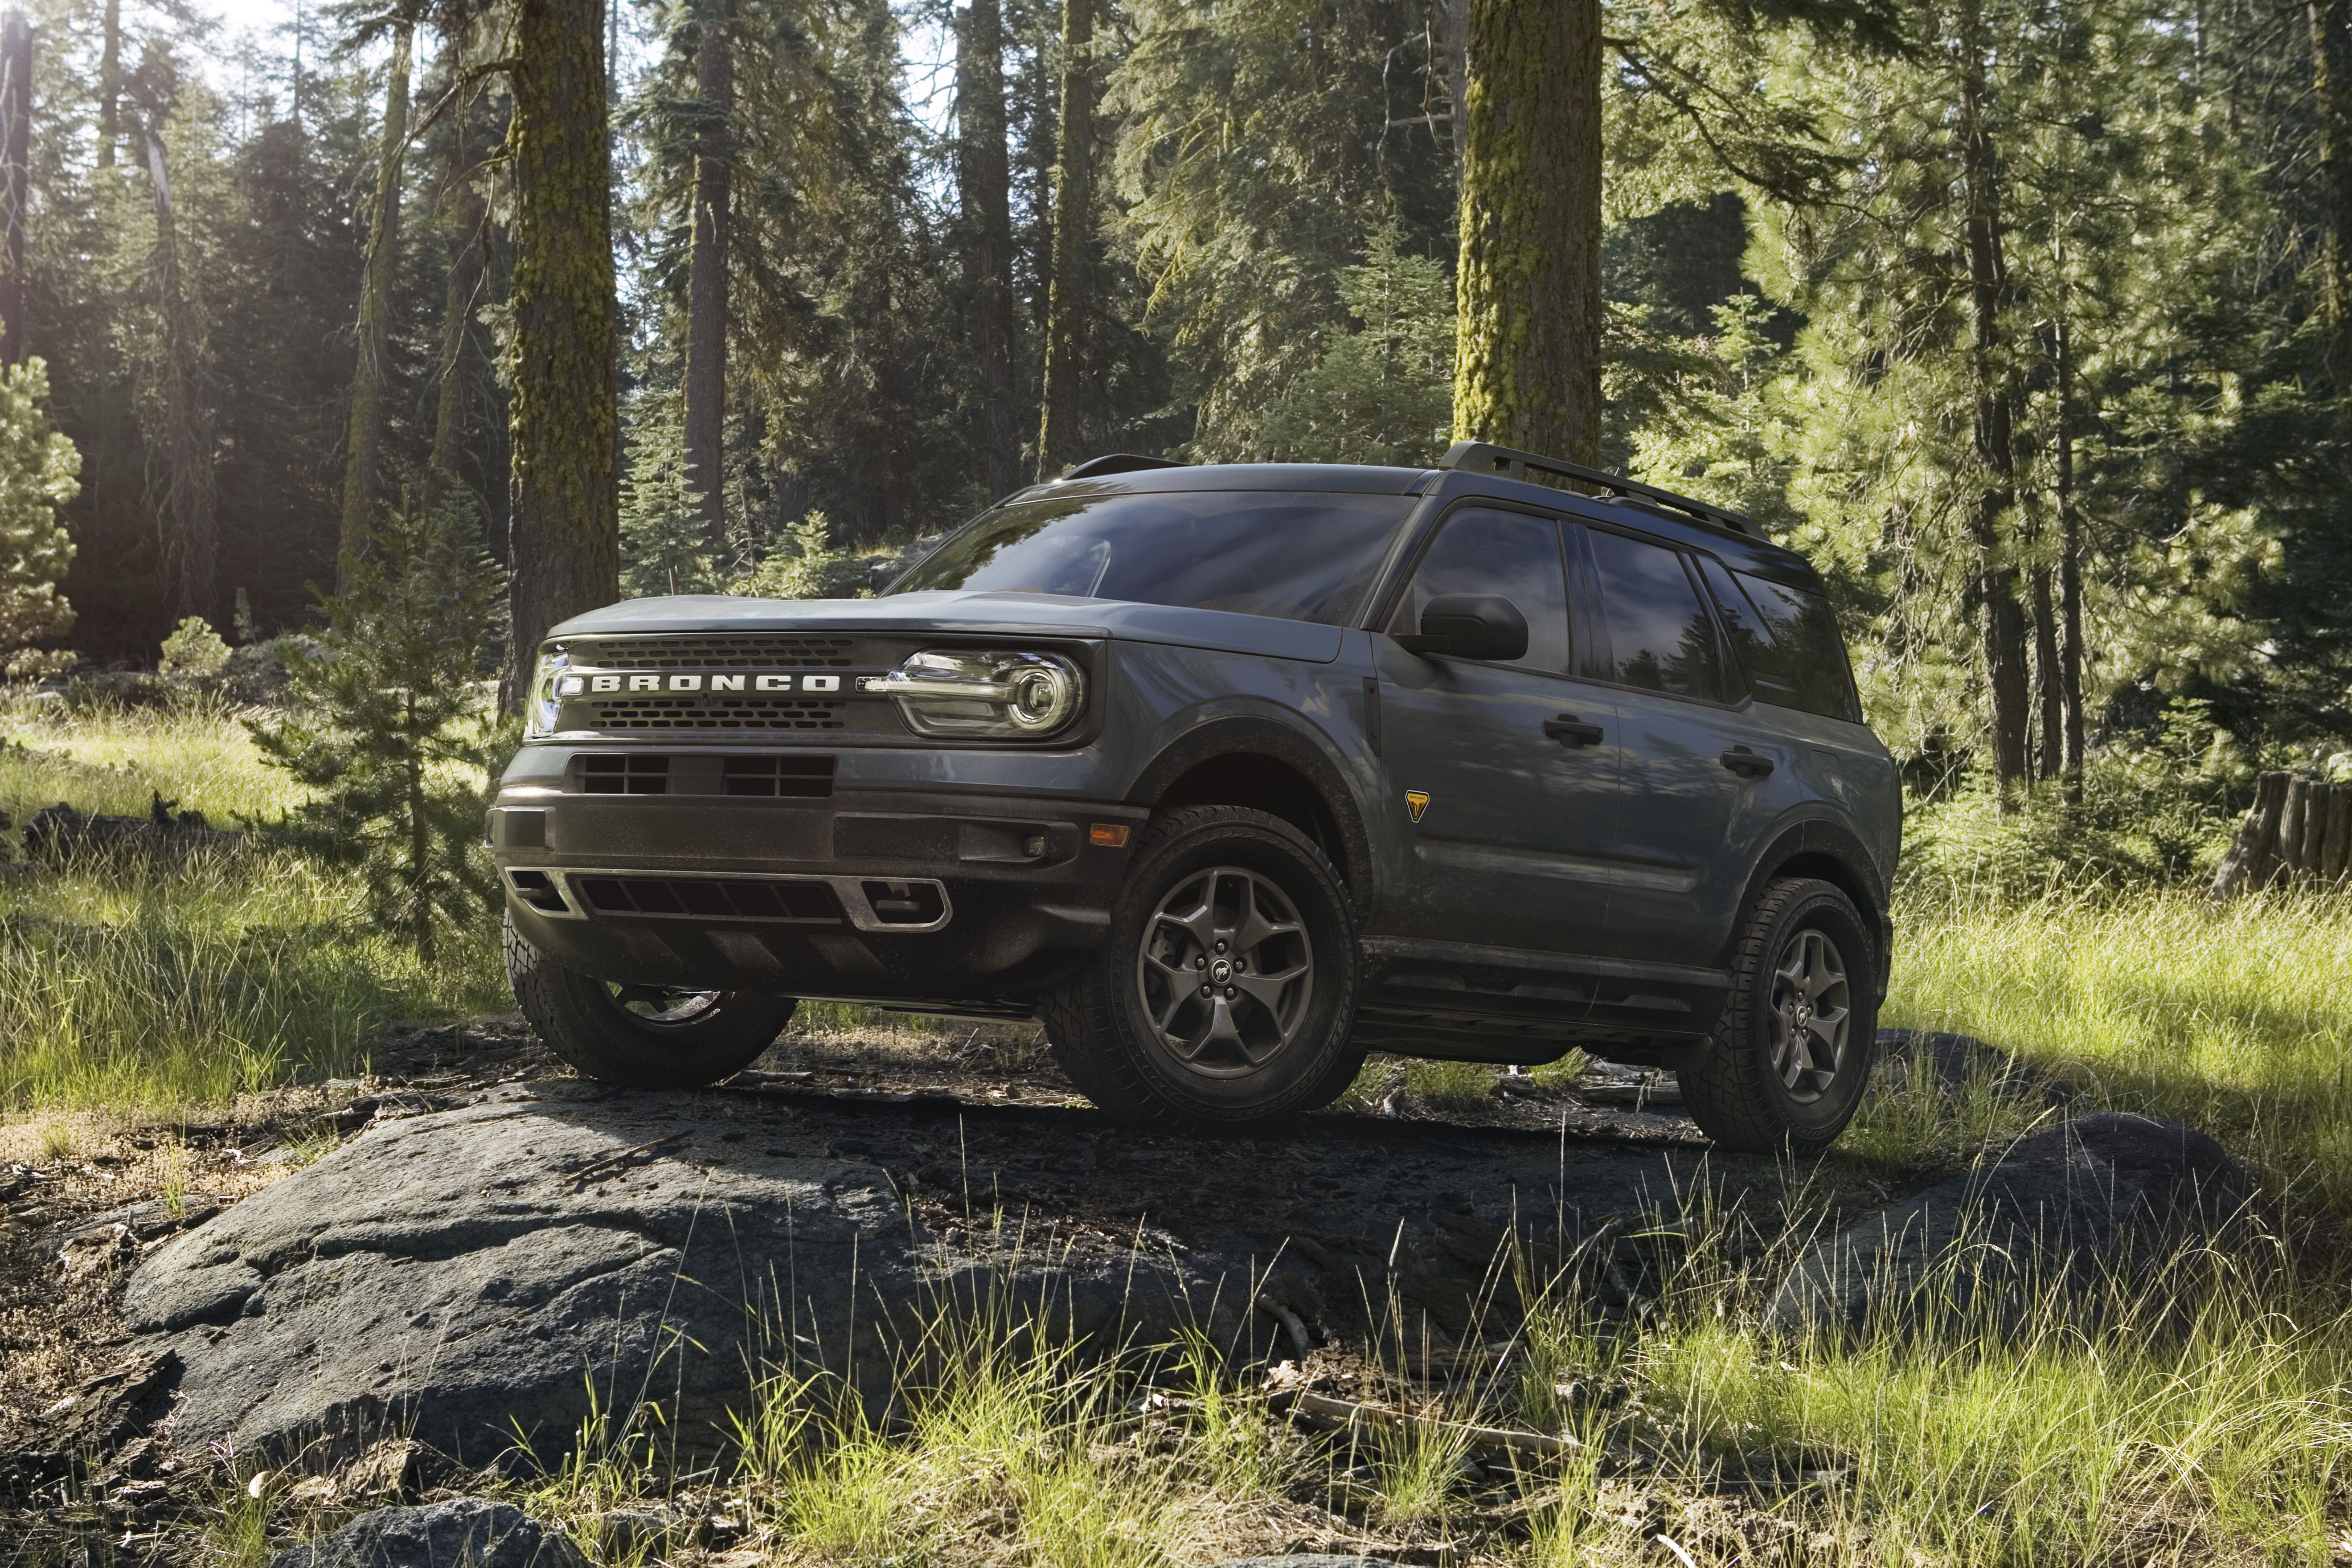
[1230,775]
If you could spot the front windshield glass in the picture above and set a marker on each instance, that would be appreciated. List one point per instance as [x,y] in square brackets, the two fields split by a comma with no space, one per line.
[1294,556]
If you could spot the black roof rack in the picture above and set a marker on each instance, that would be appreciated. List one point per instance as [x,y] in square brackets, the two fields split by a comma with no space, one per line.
[1120,463]
[1478,456]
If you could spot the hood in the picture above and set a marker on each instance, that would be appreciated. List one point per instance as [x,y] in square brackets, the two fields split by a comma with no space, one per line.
[965,614]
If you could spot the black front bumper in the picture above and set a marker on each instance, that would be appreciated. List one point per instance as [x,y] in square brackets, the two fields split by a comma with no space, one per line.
[950,902]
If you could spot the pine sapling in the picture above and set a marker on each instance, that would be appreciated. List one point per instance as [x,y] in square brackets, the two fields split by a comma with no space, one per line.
[393,733]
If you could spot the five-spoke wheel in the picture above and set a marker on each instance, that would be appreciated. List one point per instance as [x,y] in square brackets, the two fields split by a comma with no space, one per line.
[1226,970]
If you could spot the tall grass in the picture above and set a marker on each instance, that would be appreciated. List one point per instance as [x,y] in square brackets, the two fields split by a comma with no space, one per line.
[2235,1017]
[162,980]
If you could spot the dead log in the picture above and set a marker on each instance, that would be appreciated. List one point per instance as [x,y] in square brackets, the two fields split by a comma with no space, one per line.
[2289,832]
[2251,859]
[60,832]
[2338,846]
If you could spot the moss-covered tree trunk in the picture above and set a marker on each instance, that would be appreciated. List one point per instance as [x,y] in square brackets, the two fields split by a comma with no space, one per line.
[1067,305]
[1992,372]
[705,290]
[1528,312]
[363,442]
[983,185]
[563,539]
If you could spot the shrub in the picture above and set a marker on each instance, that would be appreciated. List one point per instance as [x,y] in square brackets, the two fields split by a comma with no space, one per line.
[193,648]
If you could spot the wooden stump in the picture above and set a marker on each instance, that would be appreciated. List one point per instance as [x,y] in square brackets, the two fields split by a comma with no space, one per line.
[2252,859]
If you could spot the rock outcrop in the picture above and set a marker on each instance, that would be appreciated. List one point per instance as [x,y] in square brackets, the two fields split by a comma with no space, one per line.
[2071,1222]
[467,1532]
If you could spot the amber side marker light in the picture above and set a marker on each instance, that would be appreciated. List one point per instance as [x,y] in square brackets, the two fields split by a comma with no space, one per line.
[1107,835]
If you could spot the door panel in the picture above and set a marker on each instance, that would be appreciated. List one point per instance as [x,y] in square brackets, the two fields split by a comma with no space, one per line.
[1511,842]
[1688,822]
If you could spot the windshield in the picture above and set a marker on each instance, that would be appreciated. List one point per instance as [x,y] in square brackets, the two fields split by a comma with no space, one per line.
[1293,556]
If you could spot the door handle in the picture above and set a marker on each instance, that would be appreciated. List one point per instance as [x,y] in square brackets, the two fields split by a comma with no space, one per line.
[1740,759]
[1568,727]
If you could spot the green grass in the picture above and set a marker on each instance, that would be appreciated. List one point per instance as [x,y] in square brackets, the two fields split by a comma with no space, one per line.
[153,981]
[2235,1017]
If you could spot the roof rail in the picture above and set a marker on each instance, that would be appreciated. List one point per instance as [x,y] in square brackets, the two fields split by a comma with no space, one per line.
[1118,463]
[1479,457]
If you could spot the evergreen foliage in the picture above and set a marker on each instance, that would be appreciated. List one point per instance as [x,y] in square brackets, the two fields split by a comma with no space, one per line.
[393,731]
[193,648]
[807,566]
[38,475]
[664,546]
[1383,394]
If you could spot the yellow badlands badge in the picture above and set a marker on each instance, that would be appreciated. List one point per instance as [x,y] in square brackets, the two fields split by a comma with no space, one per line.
[1416,801]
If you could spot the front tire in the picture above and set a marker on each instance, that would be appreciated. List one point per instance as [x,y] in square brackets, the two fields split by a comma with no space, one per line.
[646,1037]
[1790,1055]
[1227,989]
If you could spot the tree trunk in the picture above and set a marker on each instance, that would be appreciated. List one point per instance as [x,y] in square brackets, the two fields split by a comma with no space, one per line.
[706,291]
[420,841]
[983,186]
[2069,569]
[1990,299]
[110,83]
[2050,744]
[1066,304]
[16,174]
[565,529]
[2250,860]
[364,443]
[185,519]
[1453,42]
[2331,94]
[1528,295]
[460,297]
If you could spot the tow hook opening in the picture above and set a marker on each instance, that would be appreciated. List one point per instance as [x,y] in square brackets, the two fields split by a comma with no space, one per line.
[905,903]
[538,889]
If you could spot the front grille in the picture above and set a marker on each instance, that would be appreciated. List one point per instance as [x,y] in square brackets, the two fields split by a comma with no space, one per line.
[713,651]
[703,772]
[724,712]
[625,774]
[793,778]
[744,899]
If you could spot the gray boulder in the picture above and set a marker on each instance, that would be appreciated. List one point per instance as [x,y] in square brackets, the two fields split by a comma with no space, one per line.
[470,1532]
[484,1277]
[2072,1221]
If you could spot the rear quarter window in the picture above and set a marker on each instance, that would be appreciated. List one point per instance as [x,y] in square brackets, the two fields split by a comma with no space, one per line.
[1787,639]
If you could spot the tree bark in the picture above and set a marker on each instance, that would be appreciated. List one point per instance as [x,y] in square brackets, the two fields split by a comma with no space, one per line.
[2331,93]
[461,296]
[2050,744]
[184,520]
[2250,860]
[110,83]
[706,291]
[2070,568]
[1990,300]
[565,529]
[983,181]
[362,447]
[1527,293]
[1067,304]
[16,174]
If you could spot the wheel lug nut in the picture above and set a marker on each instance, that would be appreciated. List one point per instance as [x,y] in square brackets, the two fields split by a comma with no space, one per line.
[1200,960]
[1221,947]
[1208,990]
[1230,992]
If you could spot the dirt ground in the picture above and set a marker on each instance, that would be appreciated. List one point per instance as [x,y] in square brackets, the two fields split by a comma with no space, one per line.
[87,1195]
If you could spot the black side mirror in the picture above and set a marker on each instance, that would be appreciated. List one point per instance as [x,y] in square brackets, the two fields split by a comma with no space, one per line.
[1470,626]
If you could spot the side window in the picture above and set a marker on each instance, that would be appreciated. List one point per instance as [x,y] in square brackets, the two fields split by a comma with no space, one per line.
[1659,634]
[1789,641]
[1508,552]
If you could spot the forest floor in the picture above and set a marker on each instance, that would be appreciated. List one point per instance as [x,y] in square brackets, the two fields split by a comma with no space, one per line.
[180,1035]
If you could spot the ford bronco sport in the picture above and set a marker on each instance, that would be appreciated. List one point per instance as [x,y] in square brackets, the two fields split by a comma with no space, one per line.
[1231,774]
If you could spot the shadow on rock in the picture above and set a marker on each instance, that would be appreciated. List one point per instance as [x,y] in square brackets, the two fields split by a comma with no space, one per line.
[2114,1216]
[469,1532]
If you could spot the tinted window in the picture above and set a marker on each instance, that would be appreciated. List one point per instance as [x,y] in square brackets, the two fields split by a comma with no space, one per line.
[1506,552]
[1659,636]
[1258,552]
[1789,641]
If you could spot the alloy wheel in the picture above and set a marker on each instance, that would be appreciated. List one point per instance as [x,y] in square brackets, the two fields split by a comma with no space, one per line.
[1226,971]
[1811,1013]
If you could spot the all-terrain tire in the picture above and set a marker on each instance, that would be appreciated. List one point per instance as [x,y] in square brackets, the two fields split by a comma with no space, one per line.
[1256,1059]
[582,1021]
[1738,1090]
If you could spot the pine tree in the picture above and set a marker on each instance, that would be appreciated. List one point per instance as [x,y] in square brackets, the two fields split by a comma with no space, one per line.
[364,448]
[37,469]
[393,734]
[1384,392]
[664,548]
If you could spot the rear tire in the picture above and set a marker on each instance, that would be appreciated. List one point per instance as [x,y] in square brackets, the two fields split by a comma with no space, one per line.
[1790,1055]
[646,1037]
[1226,990]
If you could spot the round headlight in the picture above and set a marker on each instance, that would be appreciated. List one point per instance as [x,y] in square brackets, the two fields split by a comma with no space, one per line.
[956,691]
